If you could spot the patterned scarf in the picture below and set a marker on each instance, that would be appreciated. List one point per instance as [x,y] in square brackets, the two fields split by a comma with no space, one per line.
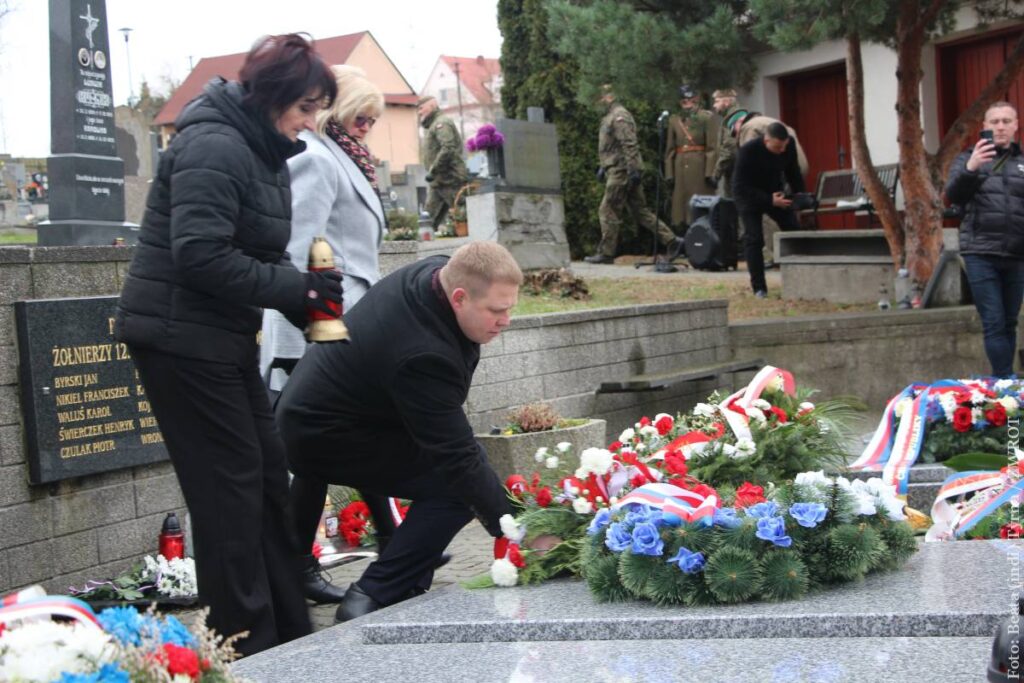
[355,151]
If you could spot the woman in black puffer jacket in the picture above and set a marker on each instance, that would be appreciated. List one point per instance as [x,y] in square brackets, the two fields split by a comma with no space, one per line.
[211,255]
[988,182]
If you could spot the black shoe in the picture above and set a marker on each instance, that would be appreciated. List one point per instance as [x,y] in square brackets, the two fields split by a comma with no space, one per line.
[676,248]
[356,604]
[760,294]
[315,584]
[599,258]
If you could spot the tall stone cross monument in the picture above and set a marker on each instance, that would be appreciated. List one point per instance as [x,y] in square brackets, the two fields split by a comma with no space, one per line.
[86,175]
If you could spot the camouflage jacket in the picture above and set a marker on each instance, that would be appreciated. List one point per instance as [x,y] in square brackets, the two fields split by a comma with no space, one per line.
[616,144]
[442,151]
[727,144]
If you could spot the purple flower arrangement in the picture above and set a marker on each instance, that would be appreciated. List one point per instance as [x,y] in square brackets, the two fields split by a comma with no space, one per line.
[486,138]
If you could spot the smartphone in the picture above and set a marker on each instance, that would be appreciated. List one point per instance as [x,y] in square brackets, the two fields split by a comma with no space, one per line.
[985,135]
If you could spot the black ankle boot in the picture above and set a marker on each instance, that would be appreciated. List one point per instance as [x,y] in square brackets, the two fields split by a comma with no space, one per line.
[356,604]
[315,584]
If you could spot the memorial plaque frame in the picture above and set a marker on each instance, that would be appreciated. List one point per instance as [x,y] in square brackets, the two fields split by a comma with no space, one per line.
[85,409]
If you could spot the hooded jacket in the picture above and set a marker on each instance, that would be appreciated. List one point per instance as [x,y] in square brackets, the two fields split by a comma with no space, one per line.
[211,251]
[993,202]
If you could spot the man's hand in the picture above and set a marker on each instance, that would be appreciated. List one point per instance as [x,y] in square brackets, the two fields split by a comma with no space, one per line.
[634,178]
[984,151]
[600,174]
[779,200]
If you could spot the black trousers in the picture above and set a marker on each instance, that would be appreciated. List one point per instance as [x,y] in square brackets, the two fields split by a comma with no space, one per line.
[435,516]
[224,444]
[753,239]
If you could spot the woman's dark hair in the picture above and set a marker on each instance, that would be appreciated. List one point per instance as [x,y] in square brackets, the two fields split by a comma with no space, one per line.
[280,70]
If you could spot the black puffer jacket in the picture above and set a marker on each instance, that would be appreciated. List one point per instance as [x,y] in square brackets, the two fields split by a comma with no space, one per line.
[993,201]
[211,253]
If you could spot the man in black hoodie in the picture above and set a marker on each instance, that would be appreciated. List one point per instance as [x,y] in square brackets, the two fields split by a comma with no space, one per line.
[384,414]
[763,167]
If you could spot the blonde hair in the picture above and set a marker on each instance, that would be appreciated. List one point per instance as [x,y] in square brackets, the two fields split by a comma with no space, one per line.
[478,265]
[356,95]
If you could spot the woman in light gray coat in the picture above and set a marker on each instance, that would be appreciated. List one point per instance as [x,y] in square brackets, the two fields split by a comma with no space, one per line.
[334,195]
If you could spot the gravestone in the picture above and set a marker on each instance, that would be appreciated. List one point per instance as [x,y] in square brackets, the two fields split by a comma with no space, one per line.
[84,406]
[522,207]
[86,175]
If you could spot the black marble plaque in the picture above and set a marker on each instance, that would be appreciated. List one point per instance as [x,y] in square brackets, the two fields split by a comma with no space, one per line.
[84,407]
[93,187]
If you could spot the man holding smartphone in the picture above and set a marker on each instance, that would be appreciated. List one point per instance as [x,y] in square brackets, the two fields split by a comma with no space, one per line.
[988,182]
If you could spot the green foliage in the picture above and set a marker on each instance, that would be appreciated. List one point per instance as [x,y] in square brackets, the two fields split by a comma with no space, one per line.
[899,542]
[636,570]
[852,550]
[784,575]
[966,462]
[733,575]
[601,571]
[399,218]
[942,442]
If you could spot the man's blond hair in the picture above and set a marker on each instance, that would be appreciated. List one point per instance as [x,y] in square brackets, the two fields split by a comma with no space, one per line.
[999,105]
[478,265]
[356,95]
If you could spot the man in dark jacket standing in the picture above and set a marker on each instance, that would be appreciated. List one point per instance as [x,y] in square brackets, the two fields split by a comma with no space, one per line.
[988,181]
[384,412]
[763,167]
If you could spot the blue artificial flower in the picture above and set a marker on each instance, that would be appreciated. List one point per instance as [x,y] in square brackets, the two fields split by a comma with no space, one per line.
[123,623]
[727,518]
[763,510]
[689,562]
[808,514]
[773,529]
[618,537]
[108,673]
[647,540]
[669,519]
[600,521]
[980,425]
[638,514]
[174,632]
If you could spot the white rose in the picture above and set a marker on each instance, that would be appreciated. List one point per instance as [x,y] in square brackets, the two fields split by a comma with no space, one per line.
[582,506]
[704,410]
[627,435]
[541,453]
[563,447]
[551,462]
[596,461]
[504,573]
[649,431]
[1008,402]
[761,404]
[746,447]
[510,529]
[756,414]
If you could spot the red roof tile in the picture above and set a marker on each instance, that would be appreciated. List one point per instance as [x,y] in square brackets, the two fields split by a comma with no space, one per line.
[334,50]
[476,74]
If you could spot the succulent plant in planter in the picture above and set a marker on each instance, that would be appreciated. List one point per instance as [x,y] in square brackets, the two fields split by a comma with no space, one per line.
[511,449]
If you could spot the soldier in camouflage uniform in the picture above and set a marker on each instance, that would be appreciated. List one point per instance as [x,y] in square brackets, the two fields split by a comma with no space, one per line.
[442,159]
[690,153]
[620,169]
[729,109]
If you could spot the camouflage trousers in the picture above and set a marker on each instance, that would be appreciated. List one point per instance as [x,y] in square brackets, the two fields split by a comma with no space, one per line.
[619,196]
[440,199]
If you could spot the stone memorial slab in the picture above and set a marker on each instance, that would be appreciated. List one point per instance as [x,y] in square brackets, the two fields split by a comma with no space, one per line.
[530,155]
[85,409]
[86,177]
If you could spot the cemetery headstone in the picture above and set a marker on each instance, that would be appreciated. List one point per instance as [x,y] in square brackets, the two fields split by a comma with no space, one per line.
[86,175]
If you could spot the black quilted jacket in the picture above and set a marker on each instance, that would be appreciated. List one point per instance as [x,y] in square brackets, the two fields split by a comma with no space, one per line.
[993,202]
[211,251]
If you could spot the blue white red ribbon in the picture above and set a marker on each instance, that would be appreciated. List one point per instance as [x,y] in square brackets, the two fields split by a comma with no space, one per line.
[740,423]
[991,490]
[50,606]
[687,505]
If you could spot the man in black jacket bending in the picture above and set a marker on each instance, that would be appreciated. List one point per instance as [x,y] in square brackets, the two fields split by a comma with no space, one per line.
[763,167]
[988,181]
[384,414]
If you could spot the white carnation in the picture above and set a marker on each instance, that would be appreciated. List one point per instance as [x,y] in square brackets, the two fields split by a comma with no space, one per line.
[806,406]
[627,435]
[649,431]
[756,414]
[1009,403]
[596,461]
[745,448]
[43,650]
[504,573]
[816,478]
[511,530]
[551,462]
[1003,383]
[730,450]
[761,404]
[541,453]
[704,410]
[641,447]
[563,447]
[582,506]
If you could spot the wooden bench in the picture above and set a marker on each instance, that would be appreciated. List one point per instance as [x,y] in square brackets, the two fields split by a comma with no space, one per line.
[663,380]
[845,186]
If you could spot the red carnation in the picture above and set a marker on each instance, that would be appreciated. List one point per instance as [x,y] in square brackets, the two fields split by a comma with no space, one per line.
[356,510]
[644,421]
[181,660]
[704,490]
[780,414]
[664,425]
[719,430]
[1011,530]
[749,494]
[962,419]
[517,485]
[615,446]
[544,497]
[996,415]
[514,556]
[638,480]
[675,463]
[318,550]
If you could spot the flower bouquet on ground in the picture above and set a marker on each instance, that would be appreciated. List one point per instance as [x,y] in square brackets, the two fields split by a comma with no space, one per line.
[154,579]
[116,646]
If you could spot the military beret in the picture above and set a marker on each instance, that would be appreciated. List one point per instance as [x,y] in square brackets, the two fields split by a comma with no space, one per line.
[686,92]
[725,92]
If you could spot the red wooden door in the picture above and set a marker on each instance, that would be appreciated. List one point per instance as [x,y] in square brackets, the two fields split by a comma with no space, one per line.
[814,104]
[966,67]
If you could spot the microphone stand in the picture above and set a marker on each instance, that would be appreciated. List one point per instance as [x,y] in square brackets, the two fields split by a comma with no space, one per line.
[659,266]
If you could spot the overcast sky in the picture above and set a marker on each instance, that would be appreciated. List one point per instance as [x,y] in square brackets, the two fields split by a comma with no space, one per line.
[413,33]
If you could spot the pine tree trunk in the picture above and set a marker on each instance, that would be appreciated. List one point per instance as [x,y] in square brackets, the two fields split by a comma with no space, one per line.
[880,198]
[923,205]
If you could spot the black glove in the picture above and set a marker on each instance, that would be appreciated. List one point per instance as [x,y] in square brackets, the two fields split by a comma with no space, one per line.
[322,286]
[429,178]
[600,174]
[634,178]
[296,318]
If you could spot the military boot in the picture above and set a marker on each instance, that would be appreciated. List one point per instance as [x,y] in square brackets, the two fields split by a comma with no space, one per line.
[316,585]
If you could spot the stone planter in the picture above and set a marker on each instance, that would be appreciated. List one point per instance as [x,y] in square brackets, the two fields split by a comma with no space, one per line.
[514,454]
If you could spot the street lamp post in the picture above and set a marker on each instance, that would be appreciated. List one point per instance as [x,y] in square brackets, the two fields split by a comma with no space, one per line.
[128,60]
